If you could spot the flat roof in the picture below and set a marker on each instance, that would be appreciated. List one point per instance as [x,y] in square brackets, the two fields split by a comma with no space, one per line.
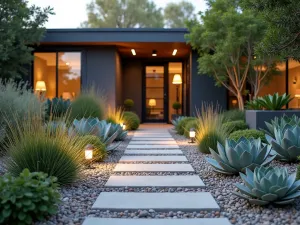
[98,35]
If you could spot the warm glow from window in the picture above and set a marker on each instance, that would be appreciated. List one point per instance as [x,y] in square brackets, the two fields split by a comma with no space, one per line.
[177,79]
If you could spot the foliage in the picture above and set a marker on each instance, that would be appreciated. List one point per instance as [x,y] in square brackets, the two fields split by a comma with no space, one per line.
[177,120]
[57,107]
[114,115]
[224,38]
[210,129]
[176,14]
[274,102]
[27,197]
[88,104]
[249,133]
[282,17]
[131,120]
[30,146]
[128,103]
[122,134]
[233,115]
[54,127]
[239,155]
[189,125]
[176,105]
[16,42]
[99,152]
[235,125]
[298,173]
[181,124]
[253,105]
[280,123]
[286,142]
[268,185]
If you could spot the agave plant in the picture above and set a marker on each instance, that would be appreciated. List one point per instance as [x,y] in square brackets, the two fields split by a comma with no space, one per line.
[122,134]
[274,102]
[286,143]
[239,155]
[176,121]
[281,123]
[85,126]
[253,104]
[268,185]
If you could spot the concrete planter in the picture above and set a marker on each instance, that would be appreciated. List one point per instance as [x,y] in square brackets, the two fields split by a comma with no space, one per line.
[256,118]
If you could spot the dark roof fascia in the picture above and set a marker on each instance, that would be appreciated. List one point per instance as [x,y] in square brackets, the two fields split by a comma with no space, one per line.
[90,35]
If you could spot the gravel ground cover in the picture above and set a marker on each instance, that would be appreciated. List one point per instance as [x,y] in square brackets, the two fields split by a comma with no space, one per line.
[237,210]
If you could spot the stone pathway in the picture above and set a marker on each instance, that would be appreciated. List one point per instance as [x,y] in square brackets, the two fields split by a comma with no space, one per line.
[152,149]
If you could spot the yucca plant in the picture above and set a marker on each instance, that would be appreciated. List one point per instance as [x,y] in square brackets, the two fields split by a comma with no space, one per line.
[274,102]
[177,120]
[115,115]
[268,185]
[239,155]
[286,143]
[280,123]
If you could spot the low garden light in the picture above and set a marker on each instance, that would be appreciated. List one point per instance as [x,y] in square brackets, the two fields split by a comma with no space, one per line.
[124,126]
[88,152]
[192,135]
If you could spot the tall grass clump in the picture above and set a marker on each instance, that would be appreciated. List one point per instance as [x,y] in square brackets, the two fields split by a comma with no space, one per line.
[89,103]
[189,125]
[114,115]
[34,146]
[210,130]
[182,123]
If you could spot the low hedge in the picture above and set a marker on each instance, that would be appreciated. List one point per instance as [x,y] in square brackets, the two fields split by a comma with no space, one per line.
[249,133]
[182,123]
[235,125]
[131,120]
[233,115]
[190,124]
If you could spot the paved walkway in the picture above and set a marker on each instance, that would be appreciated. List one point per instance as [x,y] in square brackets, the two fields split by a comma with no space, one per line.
[151,146]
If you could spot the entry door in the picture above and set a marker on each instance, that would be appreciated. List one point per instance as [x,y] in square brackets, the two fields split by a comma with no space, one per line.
[155,93]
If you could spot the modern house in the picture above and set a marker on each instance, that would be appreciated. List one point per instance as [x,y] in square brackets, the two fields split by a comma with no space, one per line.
[153,67]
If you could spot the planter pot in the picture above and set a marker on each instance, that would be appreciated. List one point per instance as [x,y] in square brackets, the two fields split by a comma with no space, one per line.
[256,118]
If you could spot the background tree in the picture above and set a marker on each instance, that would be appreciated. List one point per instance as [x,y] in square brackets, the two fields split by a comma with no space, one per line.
[21,26]
[176,14]
[123,14]
[224,39]
[283,32]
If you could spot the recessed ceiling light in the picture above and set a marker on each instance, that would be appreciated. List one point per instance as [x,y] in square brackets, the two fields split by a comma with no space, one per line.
[174,52]
[133,52]
[154,53]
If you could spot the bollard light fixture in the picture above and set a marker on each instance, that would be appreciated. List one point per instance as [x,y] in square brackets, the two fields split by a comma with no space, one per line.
[192,135]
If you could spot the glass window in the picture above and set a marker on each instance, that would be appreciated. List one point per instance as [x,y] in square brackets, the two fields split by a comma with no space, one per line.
[294,83]
[175,89]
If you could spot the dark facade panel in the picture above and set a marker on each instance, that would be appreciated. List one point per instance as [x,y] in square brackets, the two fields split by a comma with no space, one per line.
[203,89]
[114,35]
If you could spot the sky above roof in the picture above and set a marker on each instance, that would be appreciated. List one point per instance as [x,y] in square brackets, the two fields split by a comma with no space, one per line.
[70,13]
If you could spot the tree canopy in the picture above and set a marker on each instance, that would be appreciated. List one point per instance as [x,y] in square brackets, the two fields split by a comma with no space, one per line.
[21,26]
[136,13]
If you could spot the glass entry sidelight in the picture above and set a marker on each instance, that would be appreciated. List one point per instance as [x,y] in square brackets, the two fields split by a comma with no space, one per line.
[155,94]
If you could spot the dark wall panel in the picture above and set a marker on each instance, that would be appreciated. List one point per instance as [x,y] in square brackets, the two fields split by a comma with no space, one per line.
[203,89]
[119,81]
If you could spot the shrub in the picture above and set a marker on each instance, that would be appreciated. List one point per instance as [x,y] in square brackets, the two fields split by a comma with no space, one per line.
[233,115]
[253,105]
[190,124]
[57,107]
[131,120]
[177,120]
[88,104]
[210,129]
[176,106]
[249,133]
[99,152]
[27,198]
[274,102]
[128,103]
[115,115]
[181,124]
[235,125]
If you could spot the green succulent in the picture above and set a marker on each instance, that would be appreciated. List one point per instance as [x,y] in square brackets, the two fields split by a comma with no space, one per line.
[85,126]
[254,105]
[274,102]
[268,185]
[122,134]
[177,120]
[239,155]
[286,143]
[56,126]
[280,123]
[57,107]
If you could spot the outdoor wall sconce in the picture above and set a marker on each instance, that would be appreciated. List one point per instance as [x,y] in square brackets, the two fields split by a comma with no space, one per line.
[295,80]
[177,81]
[297,95]
[192,135]
[88,153]
[154,53]
[234,102]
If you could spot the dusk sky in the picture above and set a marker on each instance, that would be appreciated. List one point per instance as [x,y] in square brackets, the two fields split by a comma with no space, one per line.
[70,13]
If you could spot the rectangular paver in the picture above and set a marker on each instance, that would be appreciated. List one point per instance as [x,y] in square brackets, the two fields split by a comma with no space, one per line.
[168,158]
[117,201]
[155,181]
[134,142]
[111,221]
[153,168]
[153,135]
[151,139]
[152,146]
[153,152]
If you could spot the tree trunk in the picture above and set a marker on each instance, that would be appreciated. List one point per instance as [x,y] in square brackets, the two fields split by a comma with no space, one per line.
[240,100]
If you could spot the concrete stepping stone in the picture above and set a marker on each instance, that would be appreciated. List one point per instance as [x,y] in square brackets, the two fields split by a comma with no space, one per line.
[151,139]
[193,181]
[140,146]
[153,152]
[152,142]
[121,201]
[111,221]
[153,168]
[153,135]
[153,159]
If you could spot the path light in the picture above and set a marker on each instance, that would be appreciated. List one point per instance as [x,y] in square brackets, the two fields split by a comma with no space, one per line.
[124,126]
[192,134]
[88,153]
